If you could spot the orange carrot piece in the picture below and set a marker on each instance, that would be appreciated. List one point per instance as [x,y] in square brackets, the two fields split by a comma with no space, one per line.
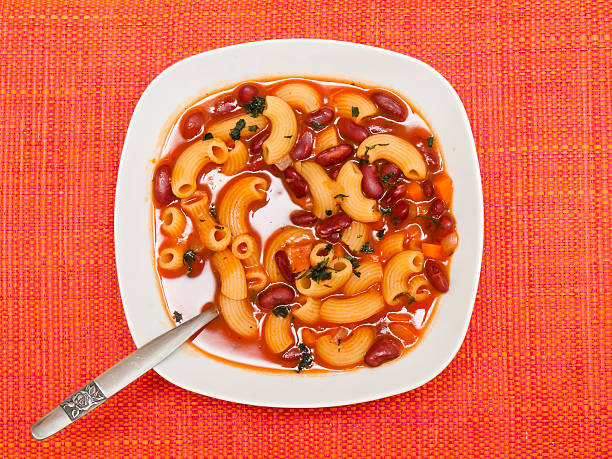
[415,192]
[432,250]
[444,187]
[299,256]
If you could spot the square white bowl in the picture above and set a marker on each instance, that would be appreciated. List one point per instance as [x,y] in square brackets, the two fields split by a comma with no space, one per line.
[205,73]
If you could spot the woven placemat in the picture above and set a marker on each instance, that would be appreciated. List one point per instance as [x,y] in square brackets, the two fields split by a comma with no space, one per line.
[533,377]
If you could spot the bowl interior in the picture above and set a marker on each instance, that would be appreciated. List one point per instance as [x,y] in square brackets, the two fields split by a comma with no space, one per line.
[426,89]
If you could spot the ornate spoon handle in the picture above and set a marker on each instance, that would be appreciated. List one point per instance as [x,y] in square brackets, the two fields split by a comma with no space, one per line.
[127,370]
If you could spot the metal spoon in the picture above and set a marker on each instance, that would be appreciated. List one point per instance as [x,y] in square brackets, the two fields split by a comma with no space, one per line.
[132,367]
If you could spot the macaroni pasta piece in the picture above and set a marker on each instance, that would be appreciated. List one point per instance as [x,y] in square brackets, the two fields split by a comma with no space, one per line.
[222,129]
[320,252]
[171,259]
[349,351]
[213,235]
[355,236]
[238,316]
[371,272]
[244,247]
[396,150]
[231,273]
[301,96]
[277,333]
[354,203]
[340,270]
[309,311]
[345,310]
[192,160]
[173,221]
[322,188]
[256,277]
[283,131]
[234,207]
[392,244]
[419,288]
[327,138]
[237,159]
[350,104]
[285,237]
[396,273]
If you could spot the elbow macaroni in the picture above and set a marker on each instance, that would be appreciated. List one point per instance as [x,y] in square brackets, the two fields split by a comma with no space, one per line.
[309,311]
[322,188]
[221,129]
[214,236]
[237,159]
[280,240]
[234,207]
[396,273]
[283,131]
[345,102]
[301,96]
[345,310]
[355,204]
[327,138]
[396,150]
[173,221]
[371,273]
[238,316]
[340,270]
[347,352]
[231,273]
[277,333]
[356,235]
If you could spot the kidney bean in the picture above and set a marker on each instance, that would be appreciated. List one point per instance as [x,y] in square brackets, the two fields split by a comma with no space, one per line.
[428,189]
[334,171]
[334,155]
[382,351]
[447,225]
[334,237]
[258,141]
[274,295]
[400,210]
[292,354]
[321,117]
[296,182]
[303,146]
[427,152]
[332,224]
[390,168]
[224,106]
[197,266]
[303,218]
[161,185]
[257,163]
[370,185]
[192,124]
[435,274]
[389,105]
[246,93]
[436,208]
[284,265]
[394,195]
[350,130]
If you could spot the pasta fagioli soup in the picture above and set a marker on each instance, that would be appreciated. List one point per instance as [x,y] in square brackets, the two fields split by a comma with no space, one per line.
[316,215]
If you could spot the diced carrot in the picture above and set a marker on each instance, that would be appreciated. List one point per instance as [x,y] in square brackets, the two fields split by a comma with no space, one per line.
[444,187]
[433,250]
[404,332]
[299,256]
[308,337]
[415,192]
[338,251]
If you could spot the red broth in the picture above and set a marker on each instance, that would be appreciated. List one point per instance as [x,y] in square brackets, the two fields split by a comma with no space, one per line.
[419,208]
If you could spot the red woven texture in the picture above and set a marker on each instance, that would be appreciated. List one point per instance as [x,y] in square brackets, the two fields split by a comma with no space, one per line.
[534,375]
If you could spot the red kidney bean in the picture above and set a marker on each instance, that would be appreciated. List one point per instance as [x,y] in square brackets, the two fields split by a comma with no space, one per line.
[382,351]
[427,152]
[197,266]
[436,208]
[394,195]
[224,106]
[303,146]
[370,185]
[258,141]
[334,155]
[446,226]
[276,294]
[284,265]
[334,237]
[192,124]
[334,171]
[296,182]
[435,274]
[303,218]
[390,168]
[292,354]
[246,93]
[428,189]
[161,185]
[332,224]
[389,105]
[321,117]
[350,130]
[400,210]
[257,163]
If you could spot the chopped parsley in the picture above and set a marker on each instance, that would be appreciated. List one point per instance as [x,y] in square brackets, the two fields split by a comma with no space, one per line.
[430,140]
[253,296]
[188,259]
[328,248]
[281,311]
[208,136]
[380,234]
[372,147]
[354,264]
[387,178]
[339,343]
[256,106]
[178,317]
[328,212]
[340,196]
[253,128]
[318,273]
[384,211]
[364,159]
[235,132]
[355,112]
[288,136]
[399,295]
[366,248]
[219,227]
[305,357]
[213,213]
[394,221]
[434,220]
[316,125]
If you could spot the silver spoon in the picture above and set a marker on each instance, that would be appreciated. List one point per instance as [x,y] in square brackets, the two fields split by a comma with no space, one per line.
[124,372]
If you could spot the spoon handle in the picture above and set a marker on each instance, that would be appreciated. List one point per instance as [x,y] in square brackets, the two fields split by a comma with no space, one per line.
[127,370]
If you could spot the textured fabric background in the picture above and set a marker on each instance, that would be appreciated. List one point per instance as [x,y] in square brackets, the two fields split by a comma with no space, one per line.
[534,375]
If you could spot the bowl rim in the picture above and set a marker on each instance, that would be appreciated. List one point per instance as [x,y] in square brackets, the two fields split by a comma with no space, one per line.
[162,369]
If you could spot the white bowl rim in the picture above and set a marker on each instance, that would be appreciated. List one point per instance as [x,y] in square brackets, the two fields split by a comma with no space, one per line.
[165,370]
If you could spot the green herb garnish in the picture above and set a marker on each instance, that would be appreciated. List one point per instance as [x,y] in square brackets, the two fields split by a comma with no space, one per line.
[340,196]
[328,212]
[235,132]
[219,227]
[253,128]
[366,248]
[318,273]
[430,141]
[380,234]
[256,106]
[178,317]
[213,213]
[188,259]
[316,125]
[305,357]
[208,136]
[435,220]
[373,147]
[328,248]
[399,295]
[387,179]
[384,211]
[281,311]
[364,159]
[394,221]
[354,264]
[288,136]
[355,112]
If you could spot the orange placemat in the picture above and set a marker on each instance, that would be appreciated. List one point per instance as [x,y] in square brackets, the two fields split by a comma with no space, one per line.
[534,374]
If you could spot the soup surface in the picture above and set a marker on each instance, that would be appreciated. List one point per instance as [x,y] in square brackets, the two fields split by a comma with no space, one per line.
[315,214]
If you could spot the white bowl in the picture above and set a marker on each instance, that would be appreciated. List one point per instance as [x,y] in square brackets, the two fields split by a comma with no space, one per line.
[425,88]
